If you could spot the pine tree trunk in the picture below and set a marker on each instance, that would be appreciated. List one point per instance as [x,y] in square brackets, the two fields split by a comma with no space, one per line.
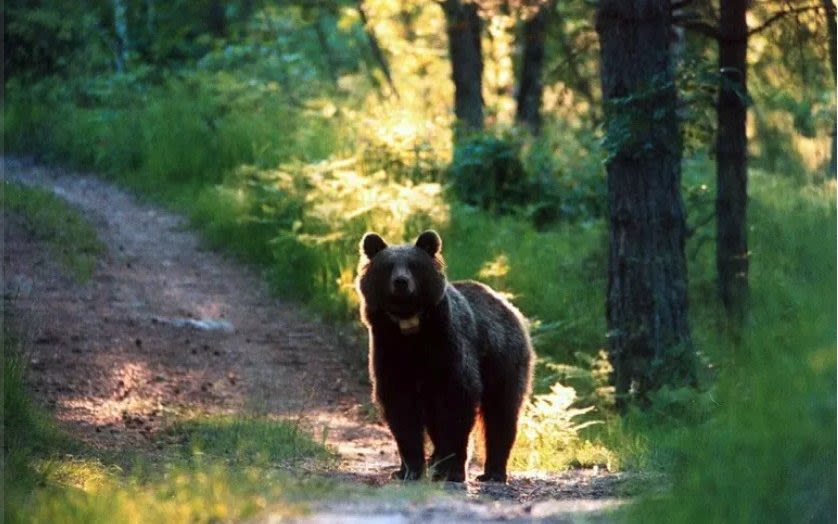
[530,88]
[463,28]
[731,162]
[646,306]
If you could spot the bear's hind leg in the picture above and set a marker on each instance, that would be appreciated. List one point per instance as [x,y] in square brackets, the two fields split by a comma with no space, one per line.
[500,425]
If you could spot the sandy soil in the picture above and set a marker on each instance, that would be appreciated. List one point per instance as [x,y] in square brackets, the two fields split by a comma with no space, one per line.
[115,358]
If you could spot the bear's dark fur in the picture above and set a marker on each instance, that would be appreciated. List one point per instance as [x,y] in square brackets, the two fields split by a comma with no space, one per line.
[440,353]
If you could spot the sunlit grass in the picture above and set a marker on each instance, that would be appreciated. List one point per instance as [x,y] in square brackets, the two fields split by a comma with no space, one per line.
[213,493]
[219,469]
[245,440]
[549,439]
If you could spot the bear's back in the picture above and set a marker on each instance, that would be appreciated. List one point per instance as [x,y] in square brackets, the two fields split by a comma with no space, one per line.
[502,329]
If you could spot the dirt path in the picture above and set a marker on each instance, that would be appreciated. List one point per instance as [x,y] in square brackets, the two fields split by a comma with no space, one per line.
[165,326]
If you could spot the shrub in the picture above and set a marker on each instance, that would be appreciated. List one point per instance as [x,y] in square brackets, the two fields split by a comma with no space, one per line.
[503,175]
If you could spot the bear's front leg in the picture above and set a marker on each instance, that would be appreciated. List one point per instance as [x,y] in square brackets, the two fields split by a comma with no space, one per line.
[449,426]
[404,419]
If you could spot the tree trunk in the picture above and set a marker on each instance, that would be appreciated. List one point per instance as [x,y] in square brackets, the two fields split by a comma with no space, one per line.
[646,307]
[217,19]
[731,162]
[375,48]
[120,24]
[150,20]
[463,28]
[530,87]
[829,5]
[326,49]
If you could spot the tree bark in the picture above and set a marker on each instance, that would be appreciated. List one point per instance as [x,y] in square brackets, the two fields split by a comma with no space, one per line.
[731,162]
[530,88]
[646,307]
[463,28]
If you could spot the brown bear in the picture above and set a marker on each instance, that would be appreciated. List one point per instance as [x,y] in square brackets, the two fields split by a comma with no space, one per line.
[440,354]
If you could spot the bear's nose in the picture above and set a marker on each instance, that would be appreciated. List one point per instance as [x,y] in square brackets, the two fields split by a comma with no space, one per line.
[401,285]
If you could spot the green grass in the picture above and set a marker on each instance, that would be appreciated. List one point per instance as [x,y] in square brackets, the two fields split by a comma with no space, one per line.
[247,440]
[765,452]
[225,468]
[68,236]
[291,188]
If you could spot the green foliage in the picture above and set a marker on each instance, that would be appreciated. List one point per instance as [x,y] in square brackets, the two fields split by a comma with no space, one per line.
[588,374]
[557,277]
[285,151]
[70,238]
[26,429]
[642,123]
[549,434]
[247,441]
[486,172]
[698,84]
[52,37]
[761,442]
[496,175]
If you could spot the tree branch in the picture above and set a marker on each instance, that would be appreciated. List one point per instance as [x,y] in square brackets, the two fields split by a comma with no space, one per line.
[698,26]
[377,53]
[782,14]
[679,4]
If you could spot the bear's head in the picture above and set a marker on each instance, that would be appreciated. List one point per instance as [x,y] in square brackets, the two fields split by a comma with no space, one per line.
[400,282]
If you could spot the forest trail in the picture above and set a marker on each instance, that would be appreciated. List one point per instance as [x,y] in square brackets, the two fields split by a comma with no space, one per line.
[167,327]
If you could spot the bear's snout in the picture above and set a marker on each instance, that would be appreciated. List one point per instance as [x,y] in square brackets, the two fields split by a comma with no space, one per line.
[402,283]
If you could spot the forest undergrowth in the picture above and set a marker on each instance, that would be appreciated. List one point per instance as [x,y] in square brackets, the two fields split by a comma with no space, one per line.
[288,170]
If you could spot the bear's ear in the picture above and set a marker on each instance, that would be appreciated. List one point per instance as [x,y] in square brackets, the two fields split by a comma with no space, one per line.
[371,244]
[430,242]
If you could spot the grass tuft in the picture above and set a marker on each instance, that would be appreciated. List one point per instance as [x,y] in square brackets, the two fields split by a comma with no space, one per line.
[69,237]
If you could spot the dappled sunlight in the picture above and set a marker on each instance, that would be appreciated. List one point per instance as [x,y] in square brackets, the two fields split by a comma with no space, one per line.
[319,211]
[403,141]
[495,269]
[346,196]
[87,474]
[494,272]
[190,390]
[815,151]
[139,395]
[548,434]
[364,447]
[213,493]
